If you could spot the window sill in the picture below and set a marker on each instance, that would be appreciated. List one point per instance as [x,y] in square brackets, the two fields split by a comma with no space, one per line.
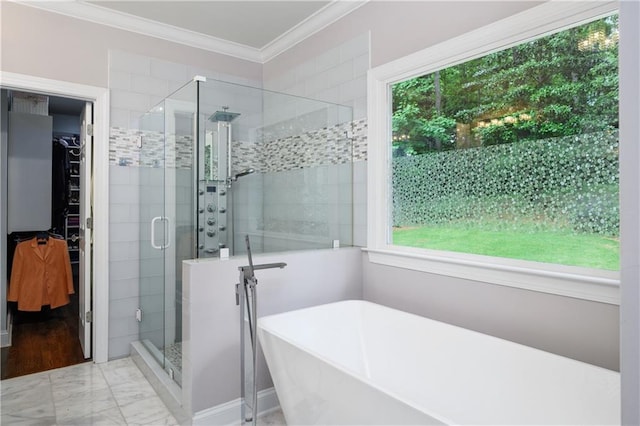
[581,283]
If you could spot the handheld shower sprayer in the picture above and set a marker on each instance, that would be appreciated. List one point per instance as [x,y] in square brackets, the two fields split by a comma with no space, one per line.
[245,172]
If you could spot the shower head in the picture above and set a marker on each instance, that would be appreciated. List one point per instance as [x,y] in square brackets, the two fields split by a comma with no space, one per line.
[242,173]
[224,115]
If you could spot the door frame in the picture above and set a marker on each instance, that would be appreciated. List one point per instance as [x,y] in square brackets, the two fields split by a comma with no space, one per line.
[100,98]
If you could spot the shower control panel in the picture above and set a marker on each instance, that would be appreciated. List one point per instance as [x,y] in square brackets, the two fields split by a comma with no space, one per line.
[212,218]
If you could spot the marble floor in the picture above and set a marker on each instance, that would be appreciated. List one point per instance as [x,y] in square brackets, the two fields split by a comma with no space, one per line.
[113,393]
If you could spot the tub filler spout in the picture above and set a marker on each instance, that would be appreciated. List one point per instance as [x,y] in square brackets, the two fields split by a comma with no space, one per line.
[247,270]
[246,298]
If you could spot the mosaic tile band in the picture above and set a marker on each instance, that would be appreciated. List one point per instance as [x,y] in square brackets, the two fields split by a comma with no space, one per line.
[309,149]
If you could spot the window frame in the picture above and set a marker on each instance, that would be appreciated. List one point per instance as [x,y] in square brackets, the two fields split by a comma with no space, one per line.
[549,18]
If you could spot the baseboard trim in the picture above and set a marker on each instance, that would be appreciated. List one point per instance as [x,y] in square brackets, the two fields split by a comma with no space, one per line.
[228,413]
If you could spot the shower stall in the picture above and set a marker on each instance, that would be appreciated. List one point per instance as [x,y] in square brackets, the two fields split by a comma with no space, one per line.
[220,161]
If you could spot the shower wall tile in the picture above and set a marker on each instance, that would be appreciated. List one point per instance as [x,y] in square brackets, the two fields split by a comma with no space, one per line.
[239,80]
[316,84]
[119,118]
[128,250]
[169,71]
[360,194]
[129,62]
[120,80]
[359,141]
[340,74]
[194,71]
[119,176]
[119,213]
[124,231]
[123,326]
[352,89]
[330,94]
[360,203]
[149,85]
[360,107]
[137,83]
[123,194]
[123,269]
[327,60]
[329,76]
[124,289]
[355,47]
[359,172]
[120,346]
[130,100]
[361,64]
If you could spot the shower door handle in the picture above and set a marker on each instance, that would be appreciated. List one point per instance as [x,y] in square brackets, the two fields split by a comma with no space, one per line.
[167,232]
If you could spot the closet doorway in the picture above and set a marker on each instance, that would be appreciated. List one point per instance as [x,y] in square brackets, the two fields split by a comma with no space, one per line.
[46,213]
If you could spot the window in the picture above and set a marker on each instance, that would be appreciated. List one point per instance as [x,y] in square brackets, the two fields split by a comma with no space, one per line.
[504,158]
[514,154]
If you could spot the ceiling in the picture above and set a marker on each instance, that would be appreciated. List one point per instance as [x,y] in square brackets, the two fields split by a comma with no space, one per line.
[251,23]
[255,30]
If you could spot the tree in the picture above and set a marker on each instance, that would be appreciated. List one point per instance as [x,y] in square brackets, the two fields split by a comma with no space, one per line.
[558,85]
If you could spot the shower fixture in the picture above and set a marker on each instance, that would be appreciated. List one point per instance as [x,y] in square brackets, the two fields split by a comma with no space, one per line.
[214,192]
[245,172]
[224,115]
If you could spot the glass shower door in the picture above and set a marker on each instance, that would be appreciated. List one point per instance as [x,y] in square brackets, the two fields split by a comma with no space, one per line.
[167,223]
[153,232]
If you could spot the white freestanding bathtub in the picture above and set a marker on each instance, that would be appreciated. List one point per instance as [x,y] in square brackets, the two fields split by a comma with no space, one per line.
[356,362]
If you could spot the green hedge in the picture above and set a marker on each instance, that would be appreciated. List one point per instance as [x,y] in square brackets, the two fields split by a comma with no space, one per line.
[568,182]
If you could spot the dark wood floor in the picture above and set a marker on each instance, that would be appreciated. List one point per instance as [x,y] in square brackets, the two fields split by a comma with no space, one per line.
[42,341]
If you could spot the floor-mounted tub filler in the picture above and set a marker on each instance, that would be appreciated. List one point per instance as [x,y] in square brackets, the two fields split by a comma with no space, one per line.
[356,362]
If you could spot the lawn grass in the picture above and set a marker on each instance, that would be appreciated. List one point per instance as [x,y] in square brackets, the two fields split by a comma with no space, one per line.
[560,247]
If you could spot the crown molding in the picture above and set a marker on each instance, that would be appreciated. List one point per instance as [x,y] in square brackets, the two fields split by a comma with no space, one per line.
[313,24]
[127,22]
[124,21]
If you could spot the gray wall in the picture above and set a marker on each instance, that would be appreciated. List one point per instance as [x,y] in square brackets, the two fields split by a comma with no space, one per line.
[575,328]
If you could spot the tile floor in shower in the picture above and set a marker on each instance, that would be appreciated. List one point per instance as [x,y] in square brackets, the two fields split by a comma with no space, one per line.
[173,353]
[113,393]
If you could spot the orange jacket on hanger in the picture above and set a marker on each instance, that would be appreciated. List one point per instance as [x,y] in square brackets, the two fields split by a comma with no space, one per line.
[41,275]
